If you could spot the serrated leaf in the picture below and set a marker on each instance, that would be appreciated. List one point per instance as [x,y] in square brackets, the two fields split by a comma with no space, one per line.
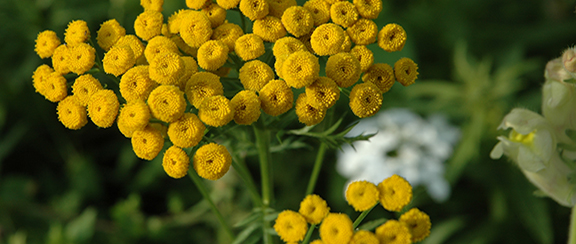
[240,238]
[251,218]
[333,127]
[371,225]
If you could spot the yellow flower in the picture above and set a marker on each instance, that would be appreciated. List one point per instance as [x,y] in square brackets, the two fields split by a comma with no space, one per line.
[418,224]
[61,59]
[175,162]
[278,65]
[136,84]
[118,60]
[246,106]
[46,43]
[216,111]
[84,87]
[320,10]
[212,55]
[215,13]
[314,209]
[133,116]
[363,32]
[364,55]
[297,20]
[318,241]
[186,131]
[228,4]
[369,9]
[39,78]
[202,85]
[228,33]
[134,43]
[362,195]
[291,226]
[190,68]
[249,46]
[166,68]
[336,229]
[365,100]
[212,161]
[347,45]
[286,46]
[276,97]
[405,71]
[308,114]
[343,68]
[82,57]
[109,33]
[392,38]
[323,93]
[159,45]
[255,74]
[254,9]
[381,75]
[167,103]
[195,28]
[103,107]
[343,13]
[148,24]
[327,39]
[364,237]
[197,4]
[71,113]
[184,47]
[55,87]
[393,232]
[154,5]
[332,1]
[77,32]
[147,143]
[300,69]
[277,7]
[175,20]
[395,193]
[269,28]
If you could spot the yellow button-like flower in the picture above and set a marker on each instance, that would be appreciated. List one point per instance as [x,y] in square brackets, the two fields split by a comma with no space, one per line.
[82,57]
[269,28]
[167,103]
[154,5]
[195,28]
[392,38]
[55,87]
[133,116]
[418,224]
[255,74]
[212,161]
[134,43]
[362,195]
[212,55]
[276,97]
[314,209]
[286,46]
[318,241]
[228,33]
[278,65]
[323,93]
[365,100]
[166,68]
[186,131]
[277,7]
[46,42]
[197,4]
[291,226]
[109,33]
[364,55]
[320,10]
[344,69]
[405,71]
[336,229]
[84,87]
[381,75]
[343,13]
[369,9]
[393,232]
[202,85]
[136,84]
[254,9]
[184,47]
[76,32]
[103,108]
[61,59]
[175,20]
[297,20]
[118,60]
[300,69]
[308,114]
[147,143]
[216,111]
[215,13]
[71,113]
[228,4]
[327,39]
[363,32]
[175,162]
[159,45]
[395,193]
[190,68]
[249,46]
[364,237]
[347,45]
[246,106]
[39,78]
[148,24]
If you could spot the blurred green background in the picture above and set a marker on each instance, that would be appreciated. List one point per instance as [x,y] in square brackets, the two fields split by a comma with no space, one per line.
[477,60]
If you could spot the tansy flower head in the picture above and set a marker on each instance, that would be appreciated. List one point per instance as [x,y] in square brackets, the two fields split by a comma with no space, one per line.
[184,47]
[344,69]
[197,4]
[277,7]
[364,55]
[364,237]
[307,113]
[347,44]
[362,195]
[395,193]
[228,33]
[202,85]
[418,224]
[82,57]
[190,68]
[103,107]
[254,9]
[320,11]
[154,5]
[269,28]
[323,93]
[300,69]
[46,43]
[167,103]
[278,65]
[118,60]
[215,13]
[327,39]
[195,28]
[147,143]
[133,116]
[228,4]
[76,32]
[216,111]
[71,113]
[246,106]
[109,33]
[276,97]
[255,74]
[291,226]
[148,24]
[61,59]
[336,228]
[186,131]
[365,100]
[212,55]
[369,9]
[392,37]
[212,161]
[314,209]
[405,71]
[134,43]
[175,20]
[166,68]
[39,78]
[381,75]
[297,20]
[249,46]
[136,84]
[343,13]
[159,45]
[363,32]
[175,162]
[55,87]
[84,87]
[393,232]
[286,46]
[318,241]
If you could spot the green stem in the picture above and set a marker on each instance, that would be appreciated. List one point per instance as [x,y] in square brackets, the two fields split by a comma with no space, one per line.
[263,146]
[361,217]
[202,188]
[245,175]
[316,169]
[309,234]
[572,230]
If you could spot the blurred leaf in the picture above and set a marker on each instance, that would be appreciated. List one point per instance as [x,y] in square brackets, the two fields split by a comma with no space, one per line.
[15,189]
[371,225]
[243,235]
[67,204]
[128,217]
[17,238]
[532,211]
[442,231]
[55,234]
[81,229]
[12,138]
[255,215]
[83,175]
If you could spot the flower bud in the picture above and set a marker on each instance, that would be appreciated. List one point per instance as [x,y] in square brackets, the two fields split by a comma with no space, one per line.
[569,60]
[558,103]
[555,70]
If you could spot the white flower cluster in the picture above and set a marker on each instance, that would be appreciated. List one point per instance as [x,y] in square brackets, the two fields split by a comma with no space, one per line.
[406,145]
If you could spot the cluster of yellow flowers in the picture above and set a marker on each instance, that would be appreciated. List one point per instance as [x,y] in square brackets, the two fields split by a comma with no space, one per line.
[393,193]
[165,69]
